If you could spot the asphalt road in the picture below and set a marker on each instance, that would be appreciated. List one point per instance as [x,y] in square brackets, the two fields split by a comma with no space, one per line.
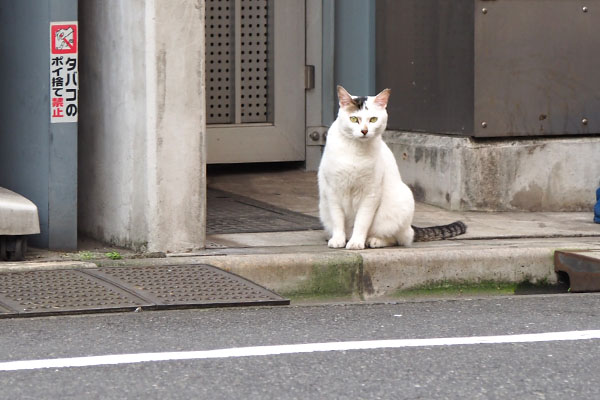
[528,370]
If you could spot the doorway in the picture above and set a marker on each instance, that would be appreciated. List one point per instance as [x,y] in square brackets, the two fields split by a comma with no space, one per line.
[255,57]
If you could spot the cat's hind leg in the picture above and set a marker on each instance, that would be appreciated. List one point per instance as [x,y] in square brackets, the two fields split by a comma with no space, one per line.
[405,237]
[376,242]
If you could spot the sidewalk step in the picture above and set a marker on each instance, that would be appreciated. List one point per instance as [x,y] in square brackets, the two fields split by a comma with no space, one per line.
[582,267]
[75,291]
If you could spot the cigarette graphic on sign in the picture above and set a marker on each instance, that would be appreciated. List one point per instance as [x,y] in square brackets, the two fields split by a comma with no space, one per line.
[64,39]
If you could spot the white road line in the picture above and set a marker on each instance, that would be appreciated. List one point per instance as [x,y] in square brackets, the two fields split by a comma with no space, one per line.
[293,349]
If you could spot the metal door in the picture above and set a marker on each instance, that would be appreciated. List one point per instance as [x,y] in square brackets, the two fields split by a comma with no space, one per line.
[255,80]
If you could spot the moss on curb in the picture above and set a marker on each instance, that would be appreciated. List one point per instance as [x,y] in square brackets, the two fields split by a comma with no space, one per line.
[336,277]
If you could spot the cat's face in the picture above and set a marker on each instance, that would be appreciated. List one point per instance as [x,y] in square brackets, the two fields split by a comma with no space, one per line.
[362,118]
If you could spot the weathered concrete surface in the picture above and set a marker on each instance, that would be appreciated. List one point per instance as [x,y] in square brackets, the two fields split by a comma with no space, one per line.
[461,173]
[299,273]
[294,189]
[387,272]
[141,154]
[19,266]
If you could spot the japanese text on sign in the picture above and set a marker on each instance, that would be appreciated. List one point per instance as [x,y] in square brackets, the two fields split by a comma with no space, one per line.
[64,85]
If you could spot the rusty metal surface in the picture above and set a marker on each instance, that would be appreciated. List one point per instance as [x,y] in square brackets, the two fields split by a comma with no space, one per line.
[232,213]
[126,288]
[583,269]
[425,55]
[502,68]
[536,67]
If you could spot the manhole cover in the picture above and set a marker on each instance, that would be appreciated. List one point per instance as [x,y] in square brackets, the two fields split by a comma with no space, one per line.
[231,213]
[127,288]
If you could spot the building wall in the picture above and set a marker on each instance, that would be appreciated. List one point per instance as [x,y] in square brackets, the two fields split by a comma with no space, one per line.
[141,153]
[37,159]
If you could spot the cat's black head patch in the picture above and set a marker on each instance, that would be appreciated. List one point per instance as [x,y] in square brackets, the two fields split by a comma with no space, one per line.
[359,102]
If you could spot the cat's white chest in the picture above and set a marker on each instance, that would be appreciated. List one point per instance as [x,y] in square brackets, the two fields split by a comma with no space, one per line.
[350,171]
[354,176]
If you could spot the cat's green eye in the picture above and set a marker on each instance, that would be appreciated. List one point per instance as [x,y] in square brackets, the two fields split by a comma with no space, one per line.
[373,119]
[354,119]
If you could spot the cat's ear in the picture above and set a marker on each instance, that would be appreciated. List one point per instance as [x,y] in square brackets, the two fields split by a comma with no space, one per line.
[382,98]
[344,97]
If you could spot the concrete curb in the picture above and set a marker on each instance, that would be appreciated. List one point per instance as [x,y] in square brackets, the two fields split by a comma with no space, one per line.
[24,266]
[387,273]
[370,274]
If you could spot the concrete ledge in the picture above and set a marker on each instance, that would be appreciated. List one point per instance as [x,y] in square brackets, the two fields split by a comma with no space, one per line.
[390,272]
[43,265]
[373,274]
[462,173]
[300,274]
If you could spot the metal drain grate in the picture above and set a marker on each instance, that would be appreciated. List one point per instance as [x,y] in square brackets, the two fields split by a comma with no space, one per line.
[127,288]
[37,292]
[185,285]
[231,213]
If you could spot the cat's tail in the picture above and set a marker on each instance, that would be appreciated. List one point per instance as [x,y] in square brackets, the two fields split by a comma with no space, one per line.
[439,232]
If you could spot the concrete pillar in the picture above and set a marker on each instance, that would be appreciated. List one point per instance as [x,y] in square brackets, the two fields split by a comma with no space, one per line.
[177,116]
[142,123]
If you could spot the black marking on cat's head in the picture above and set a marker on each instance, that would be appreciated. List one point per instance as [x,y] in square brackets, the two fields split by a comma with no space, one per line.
[360,102]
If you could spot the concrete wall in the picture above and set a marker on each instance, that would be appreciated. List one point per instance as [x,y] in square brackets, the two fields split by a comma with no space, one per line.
[460,173]
[141,153]
[37,159]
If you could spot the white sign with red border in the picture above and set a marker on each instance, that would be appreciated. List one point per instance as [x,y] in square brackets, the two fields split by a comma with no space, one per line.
[64,67]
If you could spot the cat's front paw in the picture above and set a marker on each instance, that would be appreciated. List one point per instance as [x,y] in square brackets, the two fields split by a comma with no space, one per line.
[336,242]
[355,245]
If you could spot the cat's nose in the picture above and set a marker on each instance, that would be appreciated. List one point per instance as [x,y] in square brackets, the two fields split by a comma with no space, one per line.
[364,131]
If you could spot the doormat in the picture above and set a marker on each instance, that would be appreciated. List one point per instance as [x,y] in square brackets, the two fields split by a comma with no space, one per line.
[132,288]
[232,213]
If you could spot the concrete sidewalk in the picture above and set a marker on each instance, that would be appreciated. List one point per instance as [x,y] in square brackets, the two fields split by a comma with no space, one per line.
[502,247]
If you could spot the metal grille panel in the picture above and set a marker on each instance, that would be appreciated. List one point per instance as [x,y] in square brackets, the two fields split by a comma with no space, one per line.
[126,288]
[220,61]
[238,61]
[185,284]
[254,59]
[62,290]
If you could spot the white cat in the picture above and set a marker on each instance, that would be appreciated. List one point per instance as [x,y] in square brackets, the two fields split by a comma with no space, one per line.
[362,196]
